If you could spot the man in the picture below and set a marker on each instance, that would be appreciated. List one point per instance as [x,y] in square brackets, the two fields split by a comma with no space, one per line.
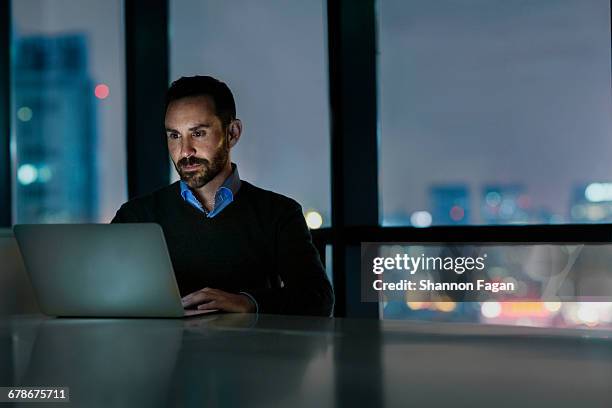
[234,246]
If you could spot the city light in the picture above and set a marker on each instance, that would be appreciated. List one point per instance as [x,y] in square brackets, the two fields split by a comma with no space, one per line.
[24,114]
[102,91]
[493,199]
[457,213]
[598,192]
[445,307]
[314,220]
[595,213]
[421,219]
[523,201]
[588,314]
[27,174]
[490,310]
[524,309]
[552,307]
[44,174]
[417,305]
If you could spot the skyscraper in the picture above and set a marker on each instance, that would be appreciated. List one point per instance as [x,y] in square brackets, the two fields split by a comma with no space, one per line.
[55,132]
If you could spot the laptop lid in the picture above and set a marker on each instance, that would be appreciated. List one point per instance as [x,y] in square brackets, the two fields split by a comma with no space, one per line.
[105,270]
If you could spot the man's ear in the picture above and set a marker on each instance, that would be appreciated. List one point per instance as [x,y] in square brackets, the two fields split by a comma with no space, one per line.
[234,132]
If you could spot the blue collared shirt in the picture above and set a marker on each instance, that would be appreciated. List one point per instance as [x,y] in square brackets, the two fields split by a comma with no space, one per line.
[223,197]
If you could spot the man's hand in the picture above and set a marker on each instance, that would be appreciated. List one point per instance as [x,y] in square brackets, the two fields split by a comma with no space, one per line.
[209,298]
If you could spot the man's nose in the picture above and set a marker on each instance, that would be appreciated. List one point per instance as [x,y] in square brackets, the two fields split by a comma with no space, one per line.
[187,149]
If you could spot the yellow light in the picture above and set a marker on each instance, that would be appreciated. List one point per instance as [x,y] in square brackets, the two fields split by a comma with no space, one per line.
[415,305]
[314,220]
[525,309]
[445,307]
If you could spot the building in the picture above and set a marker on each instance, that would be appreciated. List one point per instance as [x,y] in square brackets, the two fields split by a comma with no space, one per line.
[55,130]
[450,204]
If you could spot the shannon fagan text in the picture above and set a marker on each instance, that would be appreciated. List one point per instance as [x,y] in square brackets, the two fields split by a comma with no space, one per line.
[412,264]
[428,285]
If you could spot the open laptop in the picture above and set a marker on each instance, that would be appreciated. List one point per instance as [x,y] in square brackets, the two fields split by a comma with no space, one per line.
[100,270]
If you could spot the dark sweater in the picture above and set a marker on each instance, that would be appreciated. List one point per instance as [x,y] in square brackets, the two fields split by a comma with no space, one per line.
[258,244]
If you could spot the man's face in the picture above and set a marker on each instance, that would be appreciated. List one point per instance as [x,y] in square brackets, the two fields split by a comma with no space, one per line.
[197,142]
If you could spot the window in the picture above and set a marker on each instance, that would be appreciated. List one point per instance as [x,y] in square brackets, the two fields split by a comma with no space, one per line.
[494,112]
[272,55]
[68,110]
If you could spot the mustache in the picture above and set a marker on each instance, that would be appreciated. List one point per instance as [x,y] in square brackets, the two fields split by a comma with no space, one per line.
[190,161]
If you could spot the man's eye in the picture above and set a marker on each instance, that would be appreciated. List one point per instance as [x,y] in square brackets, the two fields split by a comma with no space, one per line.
[198,134]
[173,135]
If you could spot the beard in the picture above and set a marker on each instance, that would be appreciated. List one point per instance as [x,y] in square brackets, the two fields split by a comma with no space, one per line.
[208,171]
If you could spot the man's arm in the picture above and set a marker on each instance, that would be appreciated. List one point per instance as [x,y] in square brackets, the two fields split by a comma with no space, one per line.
[306,289]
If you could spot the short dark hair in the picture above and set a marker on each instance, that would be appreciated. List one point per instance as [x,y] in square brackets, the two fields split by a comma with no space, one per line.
[219,92]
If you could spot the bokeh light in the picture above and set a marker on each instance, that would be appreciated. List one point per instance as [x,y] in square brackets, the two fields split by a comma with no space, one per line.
[491,309]
[24,114]
[457,213]
[493,199]
[44,174]
[598,192]
[102,91]
[421,219]
[27,174]
[314,220]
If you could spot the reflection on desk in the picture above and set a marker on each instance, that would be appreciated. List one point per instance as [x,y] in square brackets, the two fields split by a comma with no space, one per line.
[246,360]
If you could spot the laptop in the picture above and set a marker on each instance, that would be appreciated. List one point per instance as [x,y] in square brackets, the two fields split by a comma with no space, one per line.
[101,270]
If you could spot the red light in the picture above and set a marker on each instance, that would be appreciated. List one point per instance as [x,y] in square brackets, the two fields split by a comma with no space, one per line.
[457,213]
[524,201]
[101,91]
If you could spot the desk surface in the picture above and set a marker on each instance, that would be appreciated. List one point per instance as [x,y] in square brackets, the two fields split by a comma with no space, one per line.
[242,360]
